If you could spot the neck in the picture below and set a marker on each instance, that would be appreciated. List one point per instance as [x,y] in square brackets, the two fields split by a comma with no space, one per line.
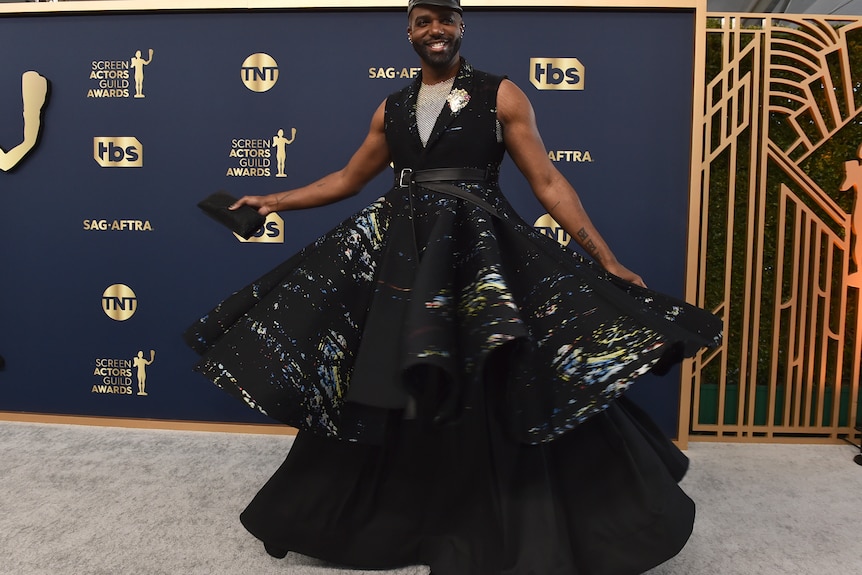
[435,75]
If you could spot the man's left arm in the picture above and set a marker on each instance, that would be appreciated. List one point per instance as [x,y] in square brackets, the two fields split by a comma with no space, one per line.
[554,192]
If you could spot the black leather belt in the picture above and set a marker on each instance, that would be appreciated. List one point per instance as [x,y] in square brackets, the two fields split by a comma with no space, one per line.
[437,180]
[408,176]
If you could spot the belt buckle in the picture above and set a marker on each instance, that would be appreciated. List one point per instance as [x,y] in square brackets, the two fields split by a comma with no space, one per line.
[405,173]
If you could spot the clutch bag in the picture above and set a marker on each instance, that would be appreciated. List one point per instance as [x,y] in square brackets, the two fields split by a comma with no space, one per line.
[245,221]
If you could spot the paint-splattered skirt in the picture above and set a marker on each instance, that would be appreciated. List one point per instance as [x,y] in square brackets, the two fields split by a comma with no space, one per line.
[392,311]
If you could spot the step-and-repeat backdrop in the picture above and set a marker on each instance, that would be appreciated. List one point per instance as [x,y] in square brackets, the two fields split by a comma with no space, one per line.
[105,258]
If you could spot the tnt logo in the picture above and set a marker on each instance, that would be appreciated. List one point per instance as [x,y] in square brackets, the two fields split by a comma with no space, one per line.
[118,152]
[272,231]
[259,72]
[557,73]
[119,302]
[549,226]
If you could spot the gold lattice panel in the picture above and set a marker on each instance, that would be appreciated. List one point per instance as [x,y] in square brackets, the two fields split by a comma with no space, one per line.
[774,246]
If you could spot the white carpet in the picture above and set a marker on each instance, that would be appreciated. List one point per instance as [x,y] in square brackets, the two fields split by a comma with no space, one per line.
[106,501]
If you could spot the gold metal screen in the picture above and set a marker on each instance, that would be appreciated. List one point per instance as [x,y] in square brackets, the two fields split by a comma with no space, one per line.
[775,244]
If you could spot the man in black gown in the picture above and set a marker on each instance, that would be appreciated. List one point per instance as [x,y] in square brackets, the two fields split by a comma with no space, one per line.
[465,497]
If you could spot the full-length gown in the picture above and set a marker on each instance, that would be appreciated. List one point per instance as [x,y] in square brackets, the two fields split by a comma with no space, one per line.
[456,377]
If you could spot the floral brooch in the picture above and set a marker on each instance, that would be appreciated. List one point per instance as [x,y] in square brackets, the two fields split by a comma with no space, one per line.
[457,99]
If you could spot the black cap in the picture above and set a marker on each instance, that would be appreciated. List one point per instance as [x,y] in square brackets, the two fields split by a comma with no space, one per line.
[453,4]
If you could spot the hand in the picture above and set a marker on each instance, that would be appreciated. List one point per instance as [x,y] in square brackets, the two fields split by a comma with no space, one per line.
[263,204]
[623,272]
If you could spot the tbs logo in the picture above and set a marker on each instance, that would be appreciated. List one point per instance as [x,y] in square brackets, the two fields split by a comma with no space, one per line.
[557,73]
[118,152]
[272,231]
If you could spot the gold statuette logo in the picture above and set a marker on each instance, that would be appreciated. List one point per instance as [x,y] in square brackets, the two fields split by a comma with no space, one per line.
[280,143]
[117,376]
[557,73]
[259,72]
[138,64]
[118,152]
[549,226]
[119,302]
[141,363]
[34,92]
[110,78]
[252,157]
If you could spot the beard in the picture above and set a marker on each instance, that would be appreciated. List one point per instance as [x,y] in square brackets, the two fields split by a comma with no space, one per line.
[439,60]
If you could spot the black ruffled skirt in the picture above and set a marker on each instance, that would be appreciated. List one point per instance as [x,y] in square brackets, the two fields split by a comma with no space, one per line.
[457,380]
[466,500]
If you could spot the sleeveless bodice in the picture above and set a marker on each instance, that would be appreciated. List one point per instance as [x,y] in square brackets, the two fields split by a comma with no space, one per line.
[465,135]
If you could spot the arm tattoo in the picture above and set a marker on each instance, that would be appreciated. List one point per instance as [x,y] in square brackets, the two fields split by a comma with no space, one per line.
[588,244]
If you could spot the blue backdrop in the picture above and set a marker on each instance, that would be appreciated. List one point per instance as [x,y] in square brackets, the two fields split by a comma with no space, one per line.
[76,220]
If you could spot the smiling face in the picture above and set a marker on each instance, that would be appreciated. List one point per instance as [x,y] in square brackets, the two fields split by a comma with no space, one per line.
[436,35]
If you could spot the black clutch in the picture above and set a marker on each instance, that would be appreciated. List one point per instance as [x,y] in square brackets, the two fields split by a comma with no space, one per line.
[244,221]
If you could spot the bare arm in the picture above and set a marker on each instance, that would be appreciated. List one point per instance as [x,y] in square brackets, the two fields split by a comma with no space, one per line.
[368,161]
[558,197]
